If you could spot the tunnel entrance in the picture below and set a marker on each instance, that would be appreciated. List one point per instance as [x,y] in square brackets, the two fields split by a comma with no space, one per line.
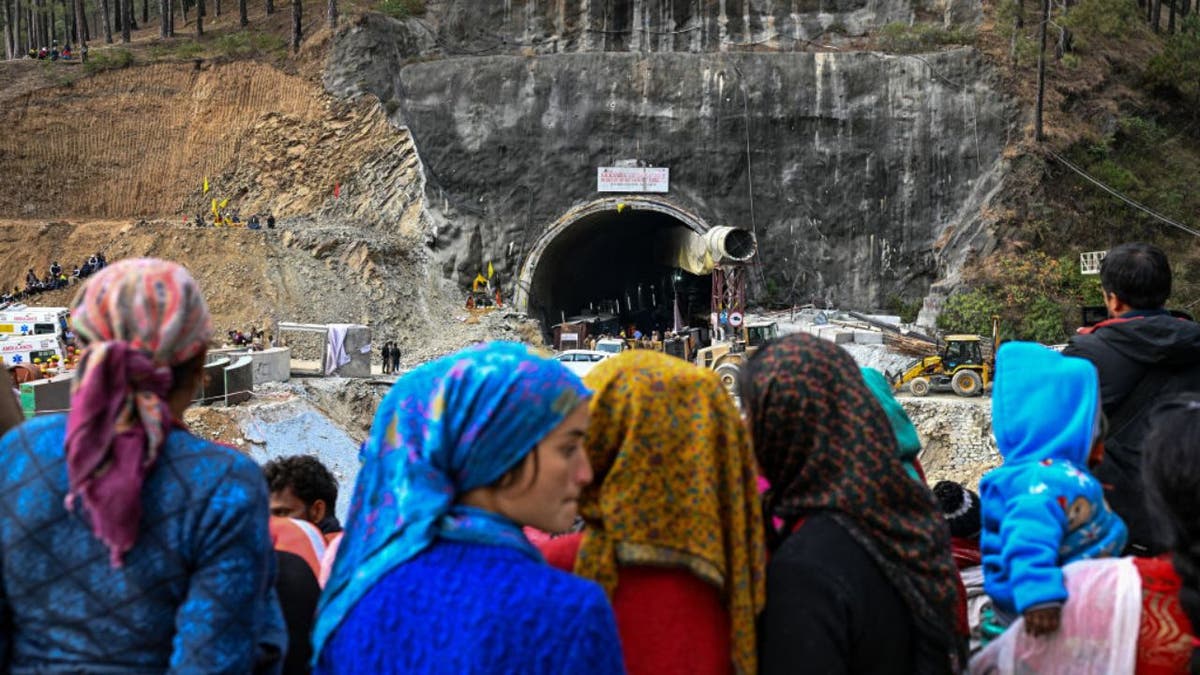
[610,259]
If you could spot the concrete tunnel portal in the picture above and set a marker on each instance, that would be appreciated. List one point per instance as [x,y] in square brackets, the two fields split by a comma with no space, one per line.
[616,257]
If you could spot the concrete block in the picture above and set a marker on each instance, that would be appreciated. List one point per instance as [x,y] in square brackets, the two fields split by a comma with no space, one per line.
[868,337]
[272,365]
[885,318]
[268,365]
[212,390]
[358,348]
[239,380]
[46,397]
[838,336]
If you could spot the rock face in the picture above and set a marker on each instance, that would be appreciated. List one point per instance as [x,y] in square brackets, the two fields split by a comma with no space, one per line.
[854,169]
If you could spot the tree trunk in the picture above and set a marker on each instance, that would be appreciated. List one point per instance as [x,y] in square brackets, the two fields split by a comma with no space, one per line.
[243,17]
[10,43]
[170,18]
[217,7]
[80,22]
[199,18]
[183,11]
[126,19]
[107,22]
[297,10]
[145,12]
[333,14]
[164,12]
[1171,18]
[1038,135]
[1156,21]
[270,7]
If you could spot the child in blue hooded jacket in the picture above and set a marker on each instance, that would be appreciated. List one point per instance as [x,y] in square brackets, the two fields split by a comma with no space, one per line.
[1042,508]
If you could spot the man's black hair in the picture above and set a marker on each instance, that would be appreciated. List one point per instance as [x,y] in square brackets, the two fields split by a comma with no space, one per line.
[306,475]
[1138,274]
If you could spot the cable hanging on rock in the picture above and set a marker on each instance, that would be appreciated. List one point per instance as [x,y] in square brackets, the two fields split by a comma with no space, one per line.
[1145,209]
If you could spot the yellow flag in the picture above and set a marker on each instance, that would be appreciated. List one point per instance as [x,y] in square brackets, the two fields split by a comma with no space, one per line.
[214,206]
[490,270]
[224,202]
[206,185]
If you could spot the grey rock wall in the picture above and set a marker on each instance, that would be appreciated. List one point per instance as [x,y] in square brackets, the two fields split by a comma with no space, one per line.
[855,169]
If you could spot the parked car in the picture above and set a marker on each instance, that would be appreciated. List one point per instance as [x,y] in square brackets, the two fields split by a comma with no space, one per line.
[580,361]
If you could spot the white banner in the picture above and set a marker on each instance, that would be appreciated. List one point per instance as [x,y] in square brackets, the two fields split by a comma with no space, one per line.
[632,179]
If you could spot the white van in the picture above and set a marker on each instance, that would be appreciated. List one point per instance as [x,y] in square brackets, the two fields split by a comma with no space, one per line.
[22,320]
[30,348]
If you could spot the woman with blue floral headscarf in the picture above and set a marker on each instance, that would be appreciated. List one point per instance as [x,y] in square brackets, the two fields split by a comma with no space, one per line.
[434,573]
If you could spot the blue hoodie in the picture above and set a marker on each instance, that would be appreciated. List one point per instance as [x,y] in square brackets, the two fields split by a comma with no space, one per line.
[1042,509]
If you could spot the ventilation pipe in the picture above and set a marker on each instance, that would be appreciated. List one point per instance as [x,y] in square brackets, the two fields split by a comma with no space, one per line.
[700,253]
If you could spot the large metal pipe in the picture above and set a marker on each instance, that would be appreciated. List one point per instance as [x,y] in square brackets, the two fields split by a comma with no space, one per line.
[700,253]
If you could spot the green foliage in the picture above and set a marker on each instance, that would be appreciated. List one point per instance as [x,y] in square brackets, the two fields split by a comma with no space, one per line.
[1102,18]
[1026,51]
[400,9]
[184,49]
[1144,159]
[900,38]
[905,309]
[1178,66]
[108,59]
[969,312]
[243,44]
[1032,293]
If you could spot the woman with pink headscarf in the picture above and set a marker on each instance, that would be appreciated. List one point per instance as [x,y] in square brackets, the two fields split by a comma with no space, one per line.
[126,543]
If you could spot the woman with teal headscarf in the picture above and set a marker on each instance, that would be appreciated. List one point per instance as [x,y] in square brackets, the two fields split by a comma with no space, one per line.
[434,573]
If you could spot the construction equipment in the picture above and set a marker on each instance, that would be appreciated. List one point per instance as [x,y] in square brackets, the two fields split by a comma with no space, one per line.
[960,366]
[728,357]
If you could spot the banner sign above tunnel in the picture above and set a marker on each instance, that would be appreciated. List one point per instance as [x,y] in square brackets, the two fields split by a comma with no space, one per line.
[632,179]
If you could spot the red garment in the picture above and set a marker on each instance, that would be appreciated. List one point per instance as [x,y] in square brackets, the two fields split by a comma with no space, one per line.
[1165,639]
[965,552]
[670,621]
[299,537]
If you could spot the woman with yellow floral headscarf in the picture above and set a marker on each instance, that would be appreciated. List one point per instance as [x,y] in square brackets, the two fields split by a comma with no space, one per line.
[673,524]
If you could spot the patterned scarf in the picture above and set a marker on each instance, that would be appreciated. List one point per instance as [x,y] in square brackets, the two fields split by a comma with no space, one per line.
[675,485]
[452,425]
[138,318]
[825,446]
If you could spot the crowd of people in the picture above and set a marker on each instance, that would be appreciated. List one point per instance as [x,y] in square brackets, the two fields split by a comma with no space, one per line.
[55,277]
[510,517]
[232,218]
[53,53]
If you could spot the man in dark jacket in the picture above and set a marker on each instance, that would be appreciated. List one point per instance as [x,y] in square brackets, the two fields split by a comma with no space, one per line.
[1143,353]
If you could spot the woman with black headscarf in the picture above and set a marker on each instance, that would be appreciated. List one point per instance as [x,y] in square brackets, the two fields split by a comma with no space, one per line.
[860,578]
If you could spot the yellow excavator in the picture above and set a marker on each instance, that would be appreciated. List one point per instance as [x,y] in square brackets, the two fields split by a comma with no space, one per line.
[960,366]
[726,357]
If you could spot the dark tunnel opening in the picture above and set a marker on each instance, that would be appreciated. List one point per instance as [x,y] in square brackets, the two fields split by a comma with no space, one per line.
[612,263]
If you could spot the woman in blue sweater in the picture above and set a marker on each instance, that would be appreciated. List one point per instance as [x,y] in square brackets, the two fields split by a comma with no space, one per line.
[434,574]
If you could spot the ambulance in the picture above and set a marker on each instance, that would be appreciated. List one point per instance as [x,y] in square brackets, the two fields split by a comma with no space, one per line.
[27,321]
[31,349]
